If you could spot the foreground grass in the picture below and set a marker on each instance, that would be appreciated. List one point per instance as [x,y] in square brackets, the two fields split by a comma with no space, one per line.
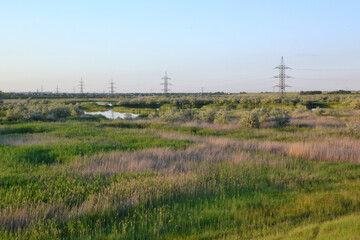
[254,205]
[342,228]
[217,201]
[121,180]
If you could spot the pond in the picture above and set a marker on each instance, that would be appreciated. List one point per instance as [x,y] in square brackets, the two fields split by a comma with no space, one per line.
[110,114]
[104,104]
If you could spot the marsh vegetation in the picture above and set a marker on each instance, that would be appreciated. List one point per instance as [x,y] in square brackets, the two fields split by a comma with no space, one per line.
[191,167]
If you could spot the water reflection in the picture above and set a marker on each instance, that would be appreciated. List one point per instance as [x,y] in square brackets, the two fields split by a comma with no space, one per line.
[110,114]
[104,104]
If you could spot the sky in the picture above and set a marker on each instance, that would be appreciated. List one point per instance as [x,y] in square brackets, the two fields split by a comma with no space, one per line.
[218,45]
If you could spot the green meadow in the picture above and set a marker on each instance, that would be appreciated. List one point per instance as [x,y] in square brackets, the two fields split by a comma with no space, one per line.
[203,168]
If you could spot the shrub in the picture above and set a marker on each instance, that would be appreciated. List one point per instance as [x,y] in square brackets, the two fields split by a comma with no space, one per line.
[263,114]
[60,111]
[51,117]
[172,116]
[76,111]
[281,116]
[41,110]
[355,104]
[300,108]
[153,115]
[14,114]
[221,117]
[207,115]
[38,115]
[351,129]
[249,120]
[188,114]
[319,111]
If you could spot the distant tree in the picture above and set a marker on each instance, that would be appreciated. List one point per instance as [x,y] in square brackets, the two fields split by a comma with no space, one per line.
[310,92]
[340,92]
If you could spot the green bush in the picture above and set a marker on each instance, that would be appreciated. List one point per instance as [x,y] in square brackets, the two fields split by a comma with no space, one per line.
[43,110]
[221,117]
[14,114]
[249,120]
[173,116]
[263,114]
[300,109]
[281,117]
[207,115]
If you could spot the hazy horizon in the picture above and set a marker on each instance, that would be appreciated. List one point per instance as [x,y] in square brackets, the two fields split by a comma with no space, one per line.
[229,46]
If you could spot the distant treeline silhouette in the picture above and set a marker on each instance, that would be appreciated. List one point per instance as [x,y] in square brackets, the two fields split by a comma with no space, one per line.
[310,92]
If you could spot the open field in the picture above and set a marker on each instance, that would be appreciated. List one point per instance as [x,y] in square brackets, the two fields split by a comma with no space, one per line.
[186,170]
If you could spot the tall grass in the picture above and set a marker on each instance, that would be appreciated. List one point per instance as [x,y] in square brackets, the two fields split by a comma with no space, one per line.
[148,180]
[30,139]
[344,150]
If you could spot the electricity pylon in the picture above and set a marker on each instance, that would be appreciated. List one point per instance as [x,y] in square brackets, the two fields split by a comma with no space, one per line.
[166,84]
[112,88]
[282,76]
[81,86]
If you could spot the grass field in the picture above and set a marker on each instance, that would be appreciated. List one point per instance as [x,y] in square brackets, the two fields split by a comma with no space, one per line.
[91,178]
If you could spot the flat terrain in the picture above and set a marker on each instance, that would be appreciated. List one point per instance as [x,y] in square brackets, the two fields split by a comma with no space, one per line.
[80,177]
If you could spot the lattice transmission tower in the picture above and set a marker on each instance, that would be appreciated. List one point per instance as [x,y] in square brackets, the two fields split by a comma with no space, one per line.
[166,84]
[112,88]
[81,86]
[282,76]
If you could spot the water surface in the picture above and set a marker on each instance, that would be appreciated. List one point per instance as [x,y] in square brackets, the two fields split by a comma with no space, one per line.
[110,114]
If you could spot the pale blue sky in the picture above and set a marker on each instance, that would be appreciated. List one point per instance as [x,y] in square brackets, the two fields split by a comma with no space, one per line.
[225,45]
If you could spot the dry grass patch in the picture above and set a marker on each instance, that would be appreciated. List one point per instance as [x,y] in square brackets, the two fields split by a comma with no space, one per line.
[163,160]
[315,147]
[345,150]
[32,139]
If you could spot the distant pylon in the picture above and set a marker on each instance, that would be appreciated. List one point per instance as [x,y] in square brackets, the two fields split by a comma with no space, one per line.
[112,88]
[166,83]
[81,86]
[282,76]
[57,89]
